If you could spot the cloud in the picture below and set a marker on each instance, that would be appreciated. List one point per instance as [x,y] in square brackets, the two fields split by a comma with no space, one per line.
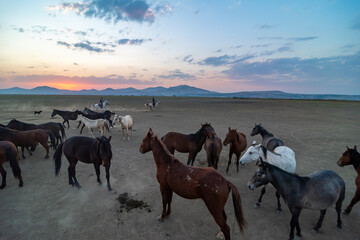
[63,44]
[81,33]
[299,39]
[114,10]
[224,60]
[177,74]
[339,72]
[126,41]
[188,59]
[349,45]
[86,45]
[260,45]
[20,30]
[266,26]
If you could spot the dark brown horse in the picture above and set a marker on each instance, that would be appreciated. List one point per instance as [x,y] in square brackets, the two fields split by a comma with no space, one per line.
[191,183]
[187,143]
[268,139]
[30,138]
[66,115]
[8,152]
[213,149]
[238,144]
[55,128]
[352,156]
[87,150]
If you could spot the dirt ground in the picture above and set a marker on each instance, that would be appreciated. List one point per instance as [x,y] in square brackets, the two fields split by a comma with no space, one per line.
[48,208]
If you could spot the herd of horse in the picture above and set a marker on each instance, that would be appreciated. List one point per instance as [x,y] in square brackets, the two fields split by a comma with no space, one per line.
[276,165]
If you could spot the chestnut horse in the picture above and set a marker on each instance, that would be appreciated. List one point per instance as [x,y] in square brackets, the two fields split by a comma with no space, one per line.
[238,144]
[8,152]
[213,149]
[191,183]
[30,138]
[191,143]
[352,156]
[87,150]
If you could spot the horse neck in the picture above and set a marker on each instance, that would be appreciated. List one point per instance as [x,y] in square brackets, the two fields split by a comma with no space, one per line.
[279,178]
[199,137]
[161,155]
[355,159]
[264,133]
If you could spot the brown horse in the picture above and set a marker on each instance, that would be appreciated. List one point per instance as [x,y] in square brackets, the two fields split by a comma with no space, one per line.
[191,183]
[30,138]
[238,144]
[352,156]
[87,150]
[191,143]
[8,152]
[213,149]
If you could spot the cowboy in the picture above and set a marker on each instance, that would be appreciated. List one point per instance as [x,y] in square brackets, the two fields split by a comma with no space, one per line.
[153,102]
[101,102]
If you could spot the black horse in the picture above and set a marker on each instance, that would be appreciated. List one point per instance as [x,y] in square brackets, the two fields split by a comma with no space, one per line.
[268,139]
[37,112]
[317,191]
[66,115]
[96,115]
[55,128]
[88,150]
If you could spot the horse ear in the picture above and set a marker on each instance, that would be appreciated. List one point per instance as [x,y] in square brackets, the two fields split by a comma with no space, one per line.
[347,148]
[151,131]
[229,128]
[355,148]
[109,138]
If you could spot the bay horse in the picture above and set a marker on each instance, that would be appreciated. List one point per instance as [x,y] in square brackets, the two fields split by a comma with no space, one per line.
[352,156]
[238,144]
[187,143]
[9,152]
[283,157]
[268,139]
[93,124]
[55,128]
[317,191]
[30,138]
[87,150]
[213,149]
[66,115]
[192,183]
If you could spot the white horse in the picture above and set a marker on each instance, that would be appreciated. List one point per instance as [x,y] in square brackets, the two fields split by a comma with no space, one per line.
[126,122]
[93,124]
[97,105]
[151,105]
[282,157]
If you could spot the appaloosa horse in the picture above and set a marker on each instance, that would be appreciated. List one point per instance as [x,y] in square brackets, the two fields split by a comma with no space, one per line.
[268,139]
[9,152]
[191,183]
[352,156]
[187,143]
[238,144]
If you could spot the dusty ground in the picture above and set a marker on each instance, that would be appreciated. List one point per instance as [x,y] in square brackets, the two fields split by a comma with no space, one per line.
[48,208]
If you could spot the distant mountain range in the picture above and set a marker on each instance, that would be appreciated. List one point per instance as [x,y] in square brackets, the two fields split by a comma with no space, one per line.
[181,91]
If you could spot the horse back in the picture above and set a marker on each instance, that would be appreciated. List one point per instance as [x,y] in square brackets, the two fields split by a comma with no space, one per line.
[178,141]
[271,143]
[79,148]
[243,142]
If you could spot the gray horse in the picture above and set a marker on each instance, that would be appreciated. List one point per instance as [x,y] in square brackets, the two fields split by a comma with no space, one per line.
[268,139]
[317,191]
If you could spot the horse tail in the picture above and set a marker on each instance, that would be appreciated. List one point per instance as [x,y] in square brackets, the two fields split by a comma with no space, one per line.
[237,207]
[11,156]
[212,154]
[57,158]
[52,138]
[63,134]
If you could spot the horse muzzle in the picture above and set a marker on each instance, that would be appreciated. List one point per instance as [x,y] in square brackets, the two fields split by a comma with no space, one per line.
[339,164]
[251,186]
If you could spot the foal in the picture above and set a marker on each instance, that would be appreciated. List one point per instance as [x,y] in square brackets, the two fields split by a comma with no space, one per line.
[191,183]
[352,156]
[238,144]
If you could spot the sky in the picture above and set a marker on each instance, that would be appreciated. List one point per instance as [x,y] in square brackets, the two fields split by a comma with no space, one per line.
[225,46]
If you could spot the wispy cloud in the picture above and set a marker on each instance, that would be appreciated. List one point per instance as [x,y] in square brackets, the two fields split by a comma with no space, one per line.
[126,41]
[177,74]
[19,29]
[188,59]
[266,26]
[299,39]
[224,60]
[86,45]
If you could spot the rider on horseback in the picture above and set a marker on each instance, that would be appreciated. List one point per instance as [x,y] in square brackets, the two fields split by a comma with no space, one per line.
[101,102]
[153,101]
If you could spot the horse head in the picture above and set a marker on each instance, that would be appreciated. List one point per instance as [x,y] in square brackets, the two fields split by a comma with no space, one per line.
[251,154]
[231,136]
[104,150]
[54,112]
[348,157]
[207,130]
[146,144]
[256,129]
[260,177]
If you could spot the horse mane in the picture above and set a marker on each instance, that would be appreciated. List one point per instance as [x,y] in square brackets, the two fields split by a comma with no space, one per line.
[263,130]
[355,155]
[271,166]
[163,150]
[104,141]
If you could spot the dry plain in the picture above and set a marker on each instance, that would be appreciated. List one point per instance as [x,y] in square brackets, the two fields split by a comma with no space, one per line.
[48,208]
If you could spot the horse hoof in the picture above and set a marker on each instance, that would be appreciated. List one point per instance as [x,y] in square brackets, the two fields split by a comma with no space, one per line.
[112,192]
[256,205]
[160,219]
[339,229]
[220,235]
[2,186]
[21,185]
[298,238]
[315,231]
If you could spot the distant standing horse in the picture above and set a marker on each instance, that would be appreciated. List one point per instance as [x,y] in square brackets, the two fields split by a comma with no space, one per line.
[191,183]
[87,150]
[66,115]
[283,157]
[126,123]
[268,139]
[317,191]
[103,107]
[8,152]
[93,124]
[352,156]
[213,149]
[191,143]
[238,144]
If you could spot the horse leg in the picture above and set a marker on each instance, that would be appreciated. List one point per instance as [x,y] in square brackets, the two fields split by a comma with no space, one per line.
[29,151]
[78,125]
[237,162]
[97,170]
[295,222]
[229,162]
[123,133]
[321,218]
[127,133]
[74,176]
[64,123]
[166,194]
[278,202]
[107,170]
[82,128]
[191,158]
[68,123]
[45,145]
[219,216]
[22,152]
[263,190]
[3,175]
[355,199]
[71,182]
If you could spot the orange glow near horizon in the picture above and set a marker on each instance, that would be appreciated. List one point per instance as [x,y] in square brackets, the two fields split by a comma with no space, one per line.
[67,86]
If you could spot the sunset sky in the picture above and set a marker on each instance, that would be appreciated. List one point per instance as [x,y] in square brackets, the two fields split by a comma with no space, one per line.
[225,46]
